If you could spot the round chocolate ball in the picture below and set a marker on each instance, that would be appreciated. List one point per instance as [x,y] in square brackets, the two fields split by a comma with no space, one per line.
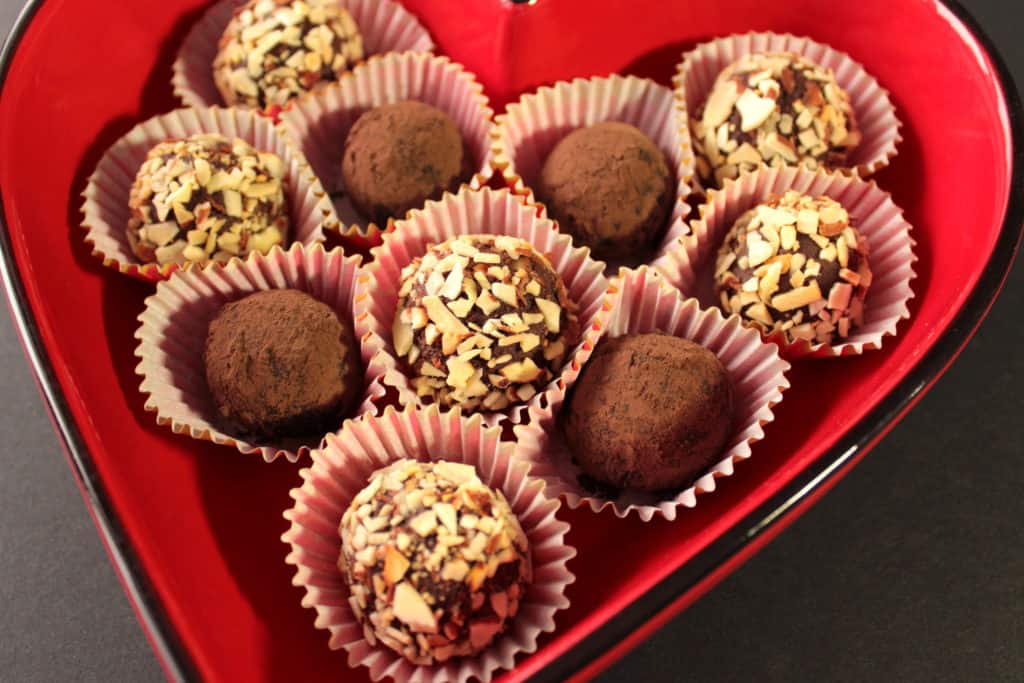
[274,50]
[206,198]
[777,109]
[795,265]
[649,412]
[609,186]
[281,364]
[483,322]
[397,156]
[436,561]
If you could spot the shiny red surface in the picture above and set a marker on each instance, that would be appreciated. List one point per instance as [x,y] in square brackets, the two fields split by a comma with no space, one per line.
[205,521]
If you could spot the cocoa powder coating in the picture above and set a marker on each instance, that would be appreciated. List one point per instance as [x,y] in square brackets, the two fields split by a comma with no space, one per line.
[279,364]
[649,412]
[397,156]
[609,186]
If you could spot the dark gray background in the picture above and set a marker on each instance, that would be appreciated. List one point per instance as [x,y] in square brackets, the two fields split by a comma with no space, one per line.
[912,569]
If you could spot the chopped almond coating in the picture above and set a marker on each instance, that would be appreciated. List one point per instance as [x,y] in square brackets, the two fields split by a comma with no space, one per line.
[775,109]
[797,265]
[436,561]
[483,322]
[206,198]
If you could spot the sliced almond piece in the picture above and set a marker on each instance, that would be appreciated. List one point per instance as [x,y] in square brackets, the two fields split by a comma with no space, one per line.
[161,233]
[395,565]
[552,313]
[720,104]
[457,473]
[797,298]
[460,372]
[412,610]
[759,312]
[445,320]
[504,292]
[754,110]
[521,372]
[424,523]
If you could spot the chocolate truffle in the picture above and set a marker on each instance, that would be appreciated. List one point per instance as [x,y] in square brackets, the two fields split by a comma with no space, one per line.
[436,561]
[609,187]
[206,198]
[397,156]
[796,265]
[281,364]
[777,109]
[483,322]
[273,50]
[649,412]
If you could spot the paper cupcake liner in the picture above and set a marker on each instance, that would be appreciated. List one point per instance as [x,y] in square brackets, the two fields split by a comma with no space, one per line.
[530,128]
[385,26]
[876,115]
[175,323]
[106,210]
[872,212]
[342,469]
[643,302]
[318,124]
[485,211]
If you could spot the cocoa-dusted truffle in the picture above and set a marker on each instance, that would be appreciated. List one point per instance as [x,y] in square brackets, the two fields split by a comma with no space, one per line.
[649,412]
[397,156]
[206,198]
[280,364]
[609,186]
[483,322]
[273,50]
[796,265]
[436,561]
[777,109]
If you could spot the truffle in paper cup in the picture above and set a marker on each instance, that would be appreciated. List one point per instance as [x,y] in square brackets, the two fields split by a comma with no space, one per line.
[106,211]
[318,124]
[872,212]
[472,212]
[872,106]
[644,303]
[384,25]
[344,467]
[174,326]
[530,128]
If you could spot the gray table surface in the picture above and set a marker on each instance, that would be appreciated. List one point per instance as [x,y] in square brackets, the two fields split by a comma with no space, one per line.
[912,569]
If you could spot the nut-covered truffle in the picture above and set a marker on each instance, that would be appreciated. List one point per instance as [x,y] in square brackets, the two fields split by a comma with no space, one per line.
[796,265]
[483,322]
[281,364]
[777,109]
[436,561]
[649,412]
[397,156]
[609,186]
[206,198]
[273,50]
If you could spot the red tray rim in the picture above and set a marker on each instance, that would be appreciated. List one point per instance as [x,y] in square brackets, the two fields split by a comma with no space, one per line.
[676,591]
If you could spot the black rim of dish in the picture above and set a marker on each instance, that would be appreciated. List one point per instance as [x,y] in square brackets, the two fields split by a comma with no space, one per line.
[165,640]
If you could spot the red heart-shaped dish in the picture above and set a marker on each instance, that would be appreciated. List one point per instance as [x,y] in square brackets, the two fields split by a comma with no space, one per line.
[194,530]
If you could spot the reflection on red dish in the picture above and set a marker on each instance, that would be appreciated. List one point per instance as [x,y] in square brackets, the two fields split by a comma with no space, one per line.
[204,523]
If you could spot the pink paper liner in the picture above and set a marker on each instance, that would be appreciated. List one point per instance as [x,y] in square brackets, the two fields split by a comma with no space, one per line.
[318,123]
[530,128]
[106,210]
[872,105]
[177,316]
[643,302]
[342,469]
[385,26]
[874,214]
[470,212]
